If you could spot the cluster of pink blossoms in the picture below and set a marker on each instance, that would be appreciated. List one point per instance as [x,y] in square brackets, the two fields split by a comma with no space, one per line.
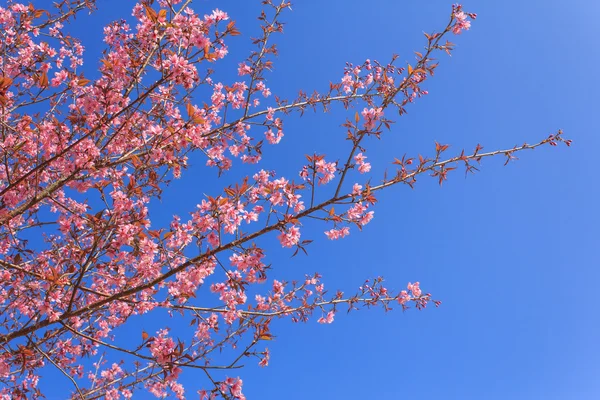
[353,81]
[290,238]
[363,166]
[244,69]
[371,116]
[358,213]
[230,387]
[335,234]
[326,169]
[462,22]
[415,292]
[275,137]
[328,319]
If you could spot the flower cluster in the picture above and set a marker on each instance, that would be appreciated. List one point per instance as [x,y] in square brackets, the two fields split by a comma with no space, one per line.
[363,166]
[462,23]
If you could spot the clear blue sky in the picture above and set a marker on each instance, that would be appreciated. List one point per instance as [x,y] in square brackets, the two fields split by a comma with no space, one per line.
[512,251]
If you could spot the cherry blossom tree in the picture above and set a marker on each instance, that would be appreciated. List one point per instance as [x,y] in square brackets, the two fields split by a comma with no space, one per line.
[81,159]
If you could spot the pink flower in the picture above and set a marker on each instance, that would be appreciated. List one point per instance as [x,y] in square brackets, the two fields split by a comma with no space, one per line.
[356,211]
[272,137]
[335,234]
[365,219]
[216,16]
[328,319]
[414,288]
[347,83]
[265,360]
[270,113]
[266,92]
[289,238]
[162,347]
[461,20]
[403,298]
[244,69]
[235,387]
[371,116]
[304,173]
[59,77]
[327,170]
[363,166]
[213,239]
[277,287]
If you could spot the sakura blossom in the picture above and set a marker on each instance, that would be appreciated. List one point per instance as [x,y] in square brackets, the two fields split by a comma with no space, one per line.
[363,166]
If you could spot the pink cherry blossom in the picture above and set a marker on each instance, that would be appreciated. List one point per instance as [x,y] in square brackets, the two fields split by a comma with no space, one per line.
[461,23]
[290,237]
[328,319]
[244,69]
[327,171]
[371,116]
[415,289]
[335,234]
[363,166]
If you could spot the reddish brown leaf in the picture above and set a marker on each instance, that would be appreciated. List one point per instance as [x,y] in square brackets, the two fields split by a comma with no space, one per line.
[151,14]
[39,13]
[43,80]
[5,82]
[190,110]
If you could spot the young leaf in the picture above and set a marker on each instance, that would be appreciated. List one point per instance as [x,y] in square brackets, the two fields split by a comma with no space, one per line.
[43,80]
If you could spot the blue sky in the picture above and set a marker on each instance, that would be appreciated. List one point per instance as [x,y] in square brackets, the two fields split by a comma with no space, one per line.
[511,251]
